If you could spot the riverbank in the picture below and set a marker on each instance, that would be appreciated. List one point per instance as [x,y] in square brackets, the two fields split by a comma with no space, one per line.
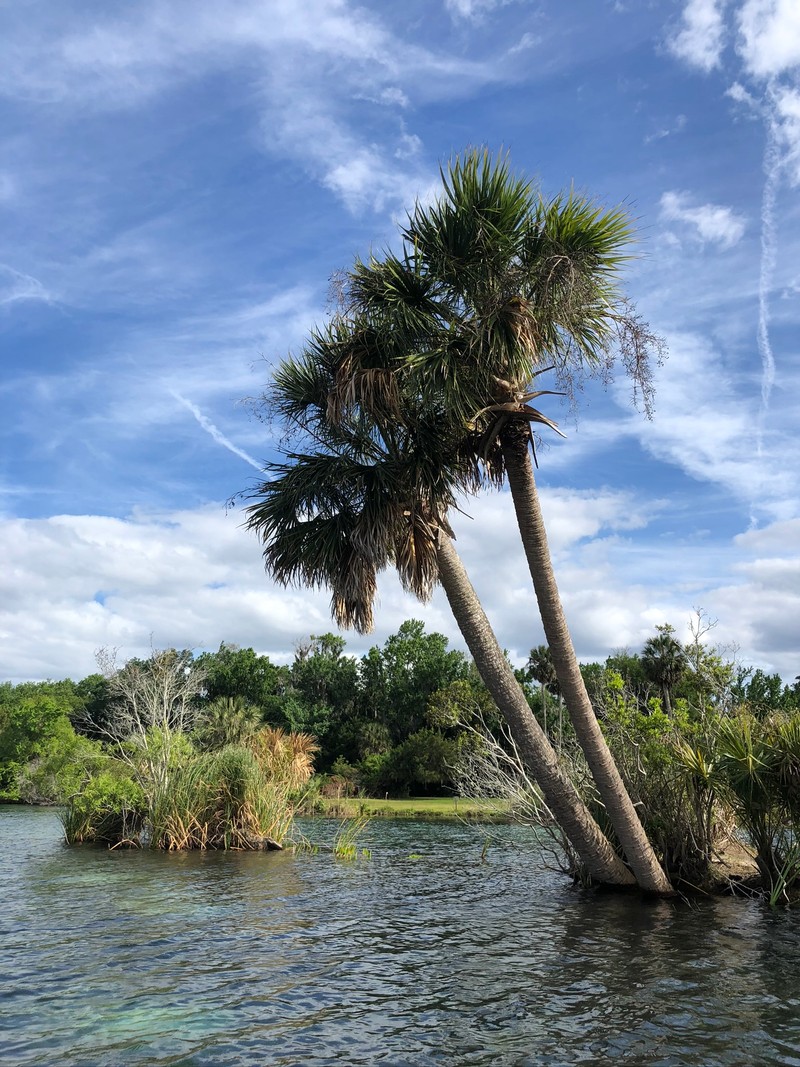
[431,808]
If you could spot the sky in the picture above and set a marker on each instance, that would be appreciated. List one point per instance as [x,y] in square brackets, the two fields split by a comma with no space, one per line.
[179,179]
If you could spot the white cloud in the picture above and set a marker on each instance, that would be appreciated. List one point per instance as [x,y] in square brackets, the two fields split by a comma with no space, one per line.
[701,38]
[472,9]
[16,286]
[786,129]
[712,222]
[308,58]
[769,36]
[738,93]
[706,423]
[667,131]
[526,41]
[73,583]
[394,97]
[194,578]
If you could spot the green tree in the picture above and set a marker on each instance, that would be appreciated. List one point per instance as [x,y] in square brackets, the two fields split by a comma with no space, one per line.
[34,717]
[399,679]
[92,715]
[541,669]
[241,673]
[629,666]
[664,663]
[225,721]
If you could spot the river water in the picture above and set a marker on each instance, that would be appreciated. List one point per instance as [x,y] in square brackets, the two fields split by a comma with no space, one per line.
[436,950]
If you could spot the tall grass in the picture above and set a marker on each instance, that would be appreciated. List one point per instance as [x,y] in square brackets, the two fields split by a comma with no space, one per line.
[224,799]
[169,797]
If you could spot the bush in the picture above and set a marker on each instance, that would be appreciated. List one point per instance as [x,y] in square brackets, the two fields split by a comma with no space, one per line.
[59,771]
[225,799]
[110,809]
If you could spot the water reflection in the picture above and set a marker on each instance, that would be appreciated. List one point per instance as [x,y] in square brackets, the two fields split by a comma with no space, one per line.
[424,955]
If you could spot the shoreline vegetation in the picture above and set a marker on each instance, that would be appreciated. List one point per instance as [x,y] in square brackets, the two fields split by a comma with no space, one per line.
[170,753]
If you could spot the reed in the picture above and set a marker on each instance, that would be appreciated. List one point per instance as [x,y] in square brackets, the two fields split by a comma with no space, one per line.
[240,797]
[345,843]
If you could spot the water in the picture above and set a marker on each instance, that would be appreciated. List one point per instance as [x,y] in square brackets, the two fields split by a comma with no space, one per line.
[422,955]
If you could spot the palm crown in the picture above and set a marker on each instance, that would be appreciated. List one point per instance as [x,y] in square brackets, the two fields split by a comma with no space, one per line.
[492,283]
[372,491]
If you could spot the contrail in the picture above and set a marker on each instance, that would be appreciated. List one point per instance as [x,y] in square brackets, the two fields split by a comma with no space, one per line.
[212,430]
[769,243]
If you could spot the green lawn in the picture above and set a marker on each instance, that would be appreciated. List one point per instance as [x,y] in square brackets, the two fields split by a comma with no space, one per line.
[421,808]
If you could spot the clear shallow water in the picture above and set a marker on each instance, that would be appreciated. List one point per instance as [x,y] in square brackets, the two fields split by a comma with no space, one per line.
[130,958]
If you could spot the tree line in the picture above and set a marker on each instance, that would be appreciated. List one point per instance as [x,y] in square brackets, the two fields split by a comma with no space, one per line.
[395,721]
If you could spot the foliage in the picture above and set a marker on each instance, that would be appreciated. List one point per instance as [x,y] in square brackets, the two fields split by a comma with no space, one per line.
[664,662]
[159,792]
[32,717]
[109,809]
[61,766]
[345,845]
[225,721]
[284,757]
[758,766]
[240,673]
[678,803]
[93,713]
[225,799]
[399,680]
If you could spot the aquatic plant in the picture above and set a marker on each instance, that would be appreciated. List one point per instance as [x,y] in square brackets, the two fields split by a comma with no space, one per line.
[223,799]
[345,844]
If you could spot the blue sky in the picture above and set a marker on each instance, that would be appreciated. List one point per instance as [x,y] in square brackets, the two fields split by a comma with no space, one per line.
[178,181]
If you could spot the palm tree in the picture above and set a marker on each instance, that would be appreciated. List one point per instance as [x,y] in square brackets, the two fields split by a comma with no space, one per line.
[664,662]
[541,668]
[226,721]
[370,494]
[492,283]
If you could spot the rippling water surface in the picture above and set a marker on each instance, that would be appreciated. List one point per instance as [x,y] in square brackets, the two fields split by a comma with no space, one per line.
[428,953]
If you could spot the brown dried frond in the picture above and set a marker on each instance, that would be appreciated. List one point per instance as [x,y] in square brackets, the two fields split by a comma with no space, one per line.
[518,313]
[416,556]
[377,390]
[353,595]
[342,396]
[285,757]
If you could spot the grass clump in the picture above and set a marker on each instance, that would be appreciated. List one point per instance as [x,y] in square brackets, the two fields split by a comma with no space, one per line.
[157,791]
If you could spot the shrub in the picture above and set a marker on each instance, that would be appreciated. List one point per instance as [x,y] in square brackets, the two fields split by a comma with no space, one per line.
[109,809]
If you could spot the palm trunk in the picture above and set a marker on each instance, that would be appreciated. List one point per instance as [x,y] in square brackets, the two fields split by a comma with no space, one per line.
[638,850]
[666,699]
[591,845]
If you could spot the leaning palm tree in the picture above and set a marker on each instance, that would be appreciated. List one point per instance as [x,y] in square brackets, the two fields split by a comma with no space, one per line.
[493,286]
[373,493]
